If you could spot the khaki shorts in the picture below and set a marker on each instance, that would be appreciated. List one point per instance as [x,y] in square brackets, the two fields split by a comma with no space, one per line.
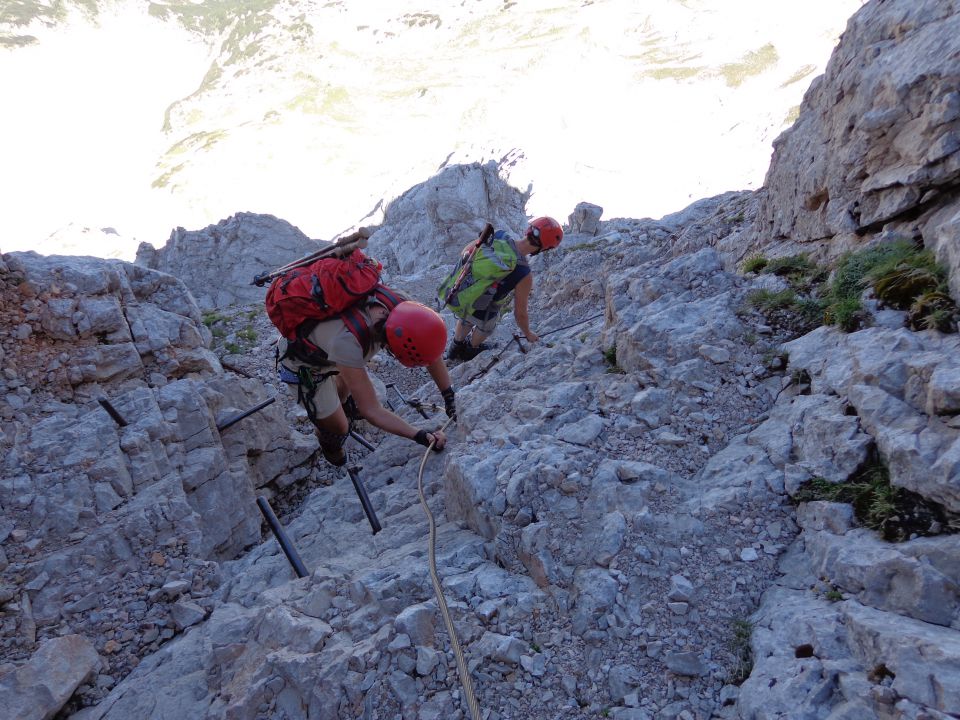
[486,312]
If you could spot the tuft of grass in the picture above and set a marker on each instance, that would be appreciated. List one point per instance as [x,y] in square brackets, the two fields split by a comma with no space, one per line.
[610,356]
[871,494]
[833,595]
[793,114]
[754,263]
[933,311]
[895,513]
[770,300]
[739,646]
[589,245]
[900,286]
[793,267]
[853,269]
[903,276]
[232,349]
[211,318]
[799,75]
[248,334]
[846,313]
[672,73]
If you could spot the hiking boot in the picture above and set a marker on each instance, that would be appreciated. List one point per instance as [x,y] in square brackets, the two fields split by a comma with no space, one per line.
[470,352]
[336,456]
[457,350]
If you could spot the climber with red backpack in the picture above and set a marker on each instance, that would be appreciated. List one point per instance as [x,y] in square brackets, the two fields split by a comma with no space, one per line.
[490,269]
[335,315]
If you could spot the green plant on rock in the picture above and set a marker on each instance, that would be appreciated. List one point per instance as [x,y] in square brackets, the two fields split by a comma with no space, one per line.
[790,266]
[212,317]
[846,313]
[903,276]
[739,646]
[853,269]
[770,300]
[872,496]
[610,356]
[232,349]
[754,263]
[933,311]
[833,595]
[894,512]
[248,334]
[900,286]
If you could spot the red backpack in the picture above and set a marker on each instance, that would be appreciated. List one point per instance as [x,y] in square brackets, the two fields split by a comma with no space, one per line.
[330,287]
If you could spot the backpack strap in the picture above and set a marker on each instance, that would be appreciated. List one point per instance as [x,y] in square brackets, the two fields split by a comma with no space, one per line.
[355,321]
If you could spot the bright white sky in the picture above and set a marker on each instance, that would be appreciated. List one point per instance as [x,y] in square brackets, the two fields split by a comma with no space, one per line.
[84,110]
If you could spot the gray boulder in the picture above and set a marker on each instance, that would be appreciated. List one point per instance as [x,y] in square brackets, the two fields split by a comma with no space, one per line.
[430,224]
[218,262]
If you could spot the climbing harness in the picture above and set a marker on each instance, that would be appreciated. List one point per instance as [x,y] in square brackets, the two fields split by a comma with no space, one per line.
[307,381]
[462,668]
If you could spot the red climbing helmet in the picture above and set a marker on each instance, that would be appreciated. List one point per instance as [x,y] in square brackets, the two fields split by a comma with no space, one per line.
[416,335]
[545,233]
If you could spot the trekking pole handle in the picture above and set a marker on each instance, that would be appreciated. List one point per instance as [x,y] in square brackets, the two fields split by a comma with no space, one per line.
[485,234]
[482,239]
[342,247]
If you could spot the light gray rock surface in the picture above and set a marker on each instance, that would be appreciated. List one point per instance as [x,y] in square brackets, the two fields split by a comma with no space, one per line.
[38,689]
[219,262]
[619,524]
[430,224]
[884,150]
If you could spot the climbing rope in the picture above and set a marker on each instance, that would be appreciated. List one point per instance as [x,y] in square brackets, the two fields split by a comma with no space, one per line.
[438,591]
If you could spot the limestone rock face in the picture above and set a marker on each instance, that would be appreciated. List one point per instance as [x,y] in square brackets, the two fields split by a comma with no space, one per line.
[38,689]
[119,492]
[430,224]
[878,135]
[620,527]
[218,262]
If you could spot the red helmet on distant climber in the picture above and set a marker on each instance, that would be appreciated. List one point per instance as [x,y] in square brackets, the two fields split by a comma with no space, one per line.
[545,233]
[416,335]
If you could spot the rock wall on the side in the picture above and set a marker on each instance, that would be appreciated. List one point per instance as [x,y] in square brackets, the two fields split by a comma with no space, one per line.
[877,141]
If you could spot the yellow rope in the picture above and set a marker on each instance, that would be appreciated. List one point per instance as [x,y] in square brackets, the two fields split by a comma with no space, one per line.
[438,591]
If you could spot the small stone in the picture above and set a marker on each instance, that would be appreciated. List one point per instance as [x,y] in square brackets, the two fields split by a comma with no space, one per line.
[110,647]
[685,663]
